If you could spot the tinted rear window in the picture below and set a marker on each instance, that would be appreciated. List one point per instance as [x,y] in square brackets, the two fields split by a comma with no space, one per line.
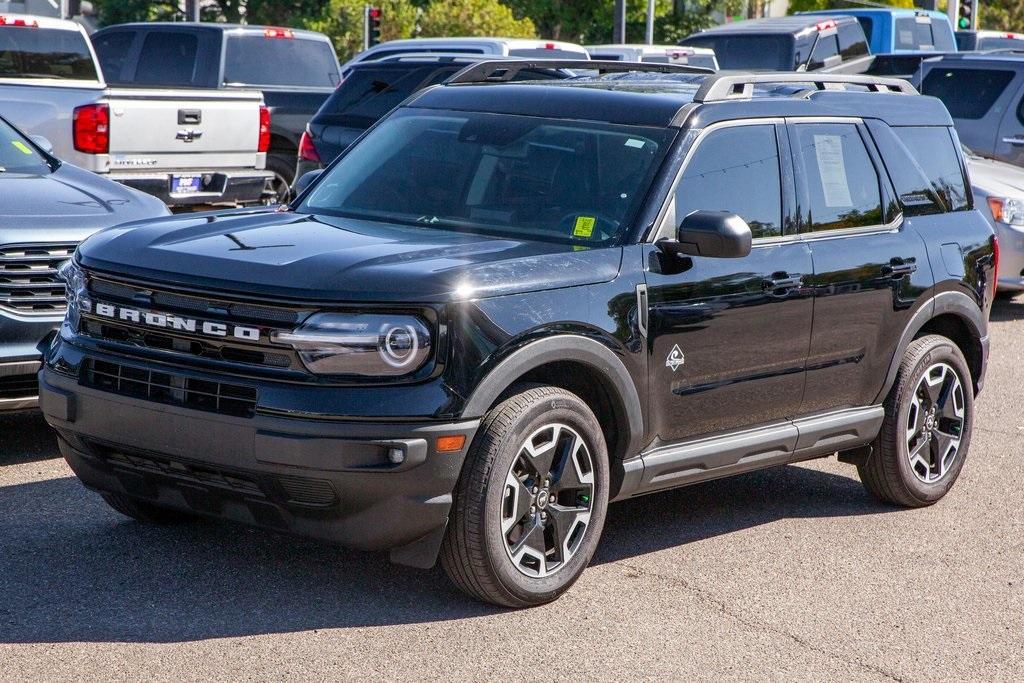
[967,93]
[547,54]
[168,58]
[27,52]
[996,43]
[370,92]
[257,60]
[758,52]
[906,34]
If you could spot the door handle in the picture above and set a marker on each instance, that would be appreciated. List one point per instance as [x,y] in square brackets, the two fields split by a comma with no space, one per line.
[898,268]
[1016,142]
[781,283]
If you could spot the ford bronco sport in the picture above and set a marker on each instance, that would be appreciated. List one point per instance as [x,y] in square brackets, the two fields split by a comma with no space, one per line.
[509,304]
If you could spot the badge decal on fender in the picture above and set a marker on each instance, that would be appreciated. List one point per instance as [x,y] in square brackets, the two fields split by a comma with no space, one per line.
[675,358]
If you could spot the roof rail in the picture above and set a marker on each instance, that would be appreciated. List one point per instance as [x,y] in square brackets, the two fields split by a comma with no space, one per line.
[721,87]
[505,70]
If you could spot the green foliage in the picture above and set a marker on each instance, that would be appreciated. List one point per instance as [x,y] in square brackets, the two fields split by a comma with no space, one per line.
[813,5]
[1002,15]
[342,21]
[474,18]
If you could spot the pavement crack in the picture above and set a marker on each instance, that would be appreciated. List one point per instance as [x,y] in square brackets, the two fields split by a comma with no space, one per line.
[738,616]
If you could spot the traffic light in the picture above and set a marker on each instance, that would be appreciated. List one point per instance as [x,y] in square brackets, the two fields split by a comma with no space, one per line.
[968,14]
[372,16]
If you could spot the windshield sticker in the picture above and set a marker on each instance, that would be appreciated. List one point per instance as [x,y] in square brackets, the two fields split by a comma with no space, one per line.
[633,142]
[584,226]
[832,170]
[21,146]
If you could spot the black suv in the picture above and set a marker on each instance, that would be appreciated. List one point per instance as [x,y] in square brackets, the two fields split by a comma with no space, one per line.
[510,304]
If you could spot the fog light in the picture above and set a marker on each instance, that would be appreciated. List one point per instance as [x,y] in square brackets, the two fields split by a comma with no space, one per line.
[450,443]
[396,456]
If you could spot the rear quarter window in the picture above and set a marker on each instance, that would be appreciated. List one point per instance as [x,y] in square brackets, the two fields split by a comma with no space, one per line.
[967,93]
[924,166]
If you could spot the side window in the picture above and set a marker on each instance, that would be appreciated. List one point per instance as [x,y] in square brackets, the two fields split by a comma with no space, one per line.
[111,51]
[826,48]
[736,169]
[167,58]
[840,179]
[931,147]
[851,42]
[967,93]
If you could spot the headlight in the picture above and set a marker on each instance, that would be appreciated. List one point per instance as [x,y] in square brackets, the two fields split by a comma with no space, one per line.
[367,345]
[1007,210]
[78,297]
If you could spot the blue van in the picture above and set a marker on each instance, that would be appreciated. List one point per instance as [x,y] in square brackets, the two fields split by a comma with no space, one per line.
[901,30]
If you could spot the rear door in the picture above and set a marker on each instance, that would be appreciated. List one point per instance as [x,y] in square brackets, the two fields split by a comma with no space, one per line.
[728,337]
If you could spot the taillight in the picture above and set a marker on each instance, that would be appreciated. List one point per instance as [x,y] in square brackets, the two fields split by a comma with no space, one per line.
[826,25]
[264,142]
[307,152]
[275,32]
[25,23]
[995,264]
[91,128]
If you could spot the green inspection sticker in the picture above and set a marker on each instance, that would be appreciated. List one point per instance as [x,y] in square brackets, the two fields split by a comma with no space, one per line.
[22,146]
[584,226]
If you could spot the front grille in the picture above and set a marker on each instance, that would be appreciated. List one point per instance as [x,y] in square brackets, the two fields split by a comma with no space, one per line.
[28,278]
[19,386]
[198,474]
[169,388]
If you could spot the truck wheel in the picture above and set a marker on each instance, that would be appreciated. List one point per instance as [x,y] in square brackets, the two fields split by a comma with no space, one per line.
[145,512]
[279,187]
[530,503]
[926,433]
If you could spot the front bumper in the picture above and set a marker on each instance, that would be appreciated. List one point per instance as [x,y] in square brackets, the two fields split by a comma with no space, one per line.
[319,478]
[222,186]
[22,339]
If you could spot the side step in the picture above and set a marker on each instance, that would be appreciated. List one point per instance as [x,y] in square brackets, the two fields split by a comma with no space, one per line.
[721,456]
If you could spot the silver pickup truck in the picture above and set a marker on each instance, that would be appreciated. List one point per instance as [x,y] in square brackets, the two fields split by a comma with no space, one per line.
[184,146]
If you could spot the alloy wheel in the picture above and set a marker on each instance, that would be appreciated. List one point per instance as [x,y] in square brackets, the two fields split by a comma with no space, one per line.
[547,500]
[935,423]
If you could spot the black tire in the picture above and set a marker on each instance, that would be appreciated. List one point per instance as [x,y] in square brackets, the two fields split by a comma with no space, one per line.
[476,554]
[282,165]
[888,474]
[145,512]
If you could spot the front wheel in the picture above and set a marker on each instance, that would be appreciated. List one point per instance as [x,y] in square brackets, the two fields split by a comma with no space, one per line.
[530,504]
[929,415]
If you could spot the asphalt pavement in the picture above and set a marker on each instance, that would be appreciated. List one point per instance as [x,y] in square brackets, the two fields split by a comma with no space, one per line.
[790,573]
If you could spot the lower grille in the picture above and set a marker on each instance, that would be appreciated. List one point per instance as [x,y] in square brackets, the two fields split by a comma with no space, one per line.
[197,474]
[170,389]
[28,278]
[19,386]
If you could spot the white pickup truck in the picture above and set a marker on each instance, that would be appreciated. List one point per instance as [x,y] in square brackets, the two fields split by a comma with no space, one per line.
[185,146]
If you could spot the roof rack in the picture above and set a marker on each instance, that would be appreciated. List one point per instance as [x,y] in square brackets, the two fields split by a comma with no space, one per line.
[721,87]
[505,70]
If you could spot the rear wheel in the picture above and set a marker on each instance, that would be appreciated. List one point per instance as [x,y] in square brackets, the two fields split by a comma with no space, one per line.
[278,190]
[926,433]
[531,501]
[142,511]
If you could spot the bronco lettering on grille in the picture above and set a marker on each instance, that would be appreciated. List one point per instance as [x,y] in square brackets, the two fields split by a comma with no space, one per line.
[173,322]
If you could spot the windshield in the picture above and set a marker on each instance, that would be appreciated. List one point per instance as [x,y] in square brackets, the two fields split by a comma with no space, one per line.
[757,52]
[254,59]
[570,182]
[17,155]
[31,52]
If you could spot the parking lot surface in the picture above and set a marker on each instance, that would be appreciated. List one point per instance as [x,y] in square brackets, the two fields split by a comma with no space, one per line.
[789,573]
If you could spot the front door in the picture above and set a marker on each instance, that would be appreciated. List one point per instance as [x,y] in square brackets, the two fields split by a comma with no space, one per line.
[728,337]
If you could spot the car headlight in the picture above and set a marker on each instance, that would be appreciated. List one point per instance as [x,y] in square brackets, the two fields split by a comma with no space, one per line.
[77,295]
[1007,210]
[363,344]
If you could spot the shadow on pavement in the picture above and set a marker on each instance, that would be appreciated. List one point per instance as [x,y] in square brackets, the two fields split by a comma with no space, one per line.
[24,437]
[74,570]
[1006,308]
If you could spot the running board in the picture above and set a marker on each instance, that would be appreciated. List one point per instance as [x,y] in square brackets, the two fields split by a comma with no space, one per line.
[721,456]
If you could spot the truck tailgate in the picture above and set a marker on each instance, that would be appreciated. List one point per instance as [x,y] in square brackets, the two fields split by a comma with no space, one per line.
[157,128]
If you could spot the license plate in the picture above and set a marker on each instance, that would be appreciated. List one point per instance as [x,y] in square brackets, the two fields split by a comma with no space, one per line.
[186,184]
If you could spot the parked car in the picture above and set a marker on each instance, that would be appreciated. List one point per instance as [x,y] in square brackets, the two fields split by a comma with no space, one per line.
[998,190]
[794,43]
[989,40]
[373,88]
[295,70]
[657,54]
[509,304]
[494,47]
[985,96]
[48,207]
[183,146]
[892,29]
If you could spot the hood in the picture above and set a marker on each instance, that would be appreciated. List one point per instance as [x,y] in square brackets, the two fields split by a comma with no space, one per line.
[67,205]
[319,258]
[990,178]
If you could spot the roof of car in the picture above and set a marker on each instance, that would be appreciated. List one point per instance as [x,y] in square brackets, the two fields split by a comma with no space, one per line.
[216,26]
[993,56]
[665,100]
[9,18]
[789,24]
[868,11]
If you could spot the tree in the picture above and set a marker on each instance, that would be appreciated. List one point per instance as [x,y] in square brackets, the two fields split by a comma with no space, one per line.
[812,5]
[342,22]
[473,18]
[1002,15]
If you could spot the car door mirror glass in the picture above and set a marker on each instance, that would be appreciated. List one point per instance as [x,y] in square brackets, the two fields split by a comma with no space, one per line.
[714,234]
[42,143]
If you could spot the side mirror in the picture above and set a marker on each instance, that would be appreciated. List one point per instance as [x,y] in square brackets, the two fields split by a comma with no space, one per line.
[42,143]
[715,234]
[305,180]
